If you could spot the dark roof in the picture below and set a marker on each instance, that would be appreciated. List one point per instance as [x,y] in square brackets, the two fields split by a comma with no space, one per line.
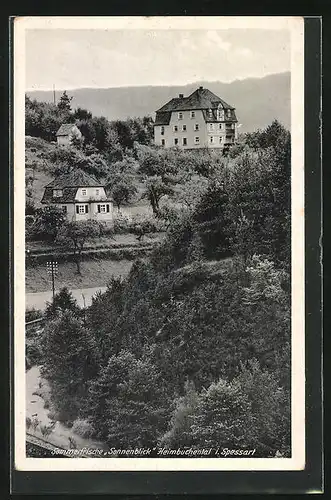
[65,129]
[76,178]
[199,99]
[68,196]
[162,117]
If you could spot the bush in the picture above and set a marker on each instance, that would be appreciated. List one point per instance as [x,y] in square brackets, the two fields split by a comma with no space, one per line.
[32,314]
[83,428]
[140,224]
[33,351]
[30,208]
[121,224]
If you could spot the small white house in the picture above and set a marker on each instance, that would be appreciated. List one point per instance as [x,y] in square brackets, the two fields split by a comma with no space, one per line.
[66,133]
[80,196]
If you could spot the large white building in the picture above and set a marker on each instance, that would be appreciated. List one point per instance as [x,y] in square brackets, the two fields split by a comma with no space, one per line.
[201,120]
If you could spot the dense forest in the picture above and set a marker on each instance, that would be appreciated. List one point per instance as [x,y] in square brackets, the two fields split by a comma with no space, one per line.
[192,349]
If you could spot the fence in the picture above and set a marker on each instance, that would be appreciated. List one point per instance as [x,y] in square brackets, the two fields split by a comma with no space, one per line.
[34,325]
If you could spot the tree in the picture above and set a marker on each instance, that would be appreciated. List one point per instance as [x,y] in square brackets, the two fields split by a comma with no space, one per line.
[179,433]
[195,251]
[190,192]
[223,416]
[70,360]
[212,220]
[159,171]
[74,236]
[42,119]
[48,221]
[122,190]
[82,114]
[67,158]
[126,401]
[64,103]
[63,301]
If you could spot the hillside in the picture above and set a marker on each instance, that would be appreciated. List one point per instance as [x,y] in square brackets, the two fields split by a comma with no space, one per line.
[37,167]
[258,101]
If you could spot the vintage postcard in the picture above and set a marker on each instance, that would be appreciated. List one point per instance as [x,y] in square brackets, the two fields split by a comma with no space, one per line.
[159,244]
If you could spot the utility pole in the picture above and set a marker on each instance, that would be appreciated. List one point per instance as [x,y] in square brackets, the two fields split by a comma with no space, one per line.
[52,269]
[54,93]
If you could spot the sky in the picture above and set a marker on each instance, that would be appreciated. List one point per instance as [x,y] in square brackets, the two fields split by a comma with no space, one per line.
[100,58]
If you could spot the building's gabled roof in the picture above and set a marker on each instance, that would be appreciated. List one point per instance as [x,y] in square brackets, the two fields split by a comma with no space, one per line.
[76,178]
[199,99]
[68,196]
[162,117]
[65,129]
[69,183]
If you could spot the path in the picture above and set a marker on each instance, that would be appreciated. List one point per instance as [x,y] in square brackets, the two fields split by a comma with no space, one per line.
[35,409]
[38,299]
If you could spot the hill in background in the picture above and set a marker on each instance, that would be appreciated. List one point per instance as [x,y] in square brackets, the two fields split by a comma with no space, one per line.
[258,101]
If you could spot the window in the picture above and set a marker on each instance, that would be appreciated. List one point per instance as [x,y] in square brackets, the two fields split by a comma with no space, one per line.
[81,209]
[175,128]
[84,192]
[180,115]
[196,140]
[221,139]
[64,209]
[221,126]
[102,209]
[57,193]
[162,142]
[192,114]
[97,192]
[229,113]
[211,139]
[210,113]
[196,126]
[162,130]
[184,128]
[184,141]
[176,142]
[211,126]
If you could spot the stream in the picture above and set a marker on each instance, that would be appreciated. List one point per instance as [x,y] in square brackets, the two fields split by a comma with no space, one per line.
[35,410]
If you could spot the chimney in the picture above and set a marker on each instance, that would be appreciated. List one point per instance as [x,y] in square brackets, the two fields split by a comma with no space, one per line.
[181,96]
[201,88]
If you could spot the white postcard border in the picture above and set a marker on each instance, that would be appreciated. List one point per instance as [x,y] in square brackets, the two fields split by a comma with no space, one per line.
[297,461]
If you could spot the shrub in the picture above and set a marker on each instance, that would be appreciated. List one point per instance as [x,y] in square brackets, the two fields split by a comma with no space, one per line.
[83,428]
[32,314]
[33,351]
[121,224]
[30,208]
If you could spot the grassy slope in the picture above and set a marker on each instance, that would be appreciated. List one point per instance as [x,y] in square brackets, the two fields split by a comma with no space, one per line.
[94,273]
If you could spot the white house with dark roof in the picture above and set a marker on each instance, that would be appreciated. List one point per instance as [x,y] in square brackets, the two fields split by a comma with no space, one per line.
[201,120]
[66,133]
[80,196]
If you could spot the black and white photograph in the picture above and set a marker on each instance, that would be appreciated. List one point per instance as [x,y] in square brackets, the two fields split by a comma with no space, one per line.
[159,243]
